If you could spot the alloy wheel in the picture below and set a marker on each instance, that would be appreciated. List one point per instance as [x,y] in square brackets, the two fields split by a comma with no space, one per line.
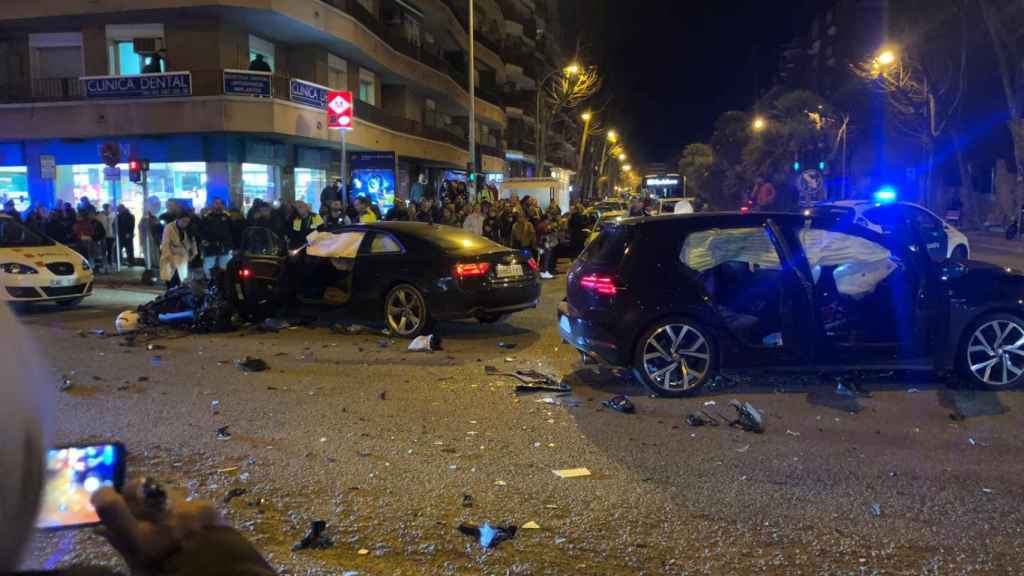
[995,353]
[406,311]
[676,357]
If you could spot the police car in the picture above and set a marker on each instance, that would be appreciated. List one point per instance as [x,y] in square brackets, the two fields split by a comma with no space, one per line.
[34,268]
[942,239]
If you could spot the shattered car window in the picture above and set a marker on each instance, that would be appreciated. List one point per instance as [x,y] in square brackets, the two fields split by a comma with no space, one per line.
[331,245]
[708,248]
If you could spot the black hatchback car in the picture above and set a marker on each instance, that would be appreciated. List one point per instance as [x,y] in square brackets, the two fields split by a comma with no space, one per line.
[678,297]
[408,273]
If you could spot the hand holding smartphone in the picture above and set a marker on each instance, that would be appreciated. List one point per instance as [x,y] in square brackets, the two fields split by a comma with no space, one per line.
[73,473]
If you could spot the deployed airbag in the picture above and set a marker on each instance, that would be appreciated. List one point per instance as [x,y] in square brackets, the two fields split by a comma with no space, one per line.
[327,245]
[708,248]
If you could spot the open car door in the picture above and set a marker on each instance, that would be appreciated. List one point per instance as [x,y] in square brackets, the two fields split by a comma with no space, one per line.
[328,265]
[801,324]
[256,275]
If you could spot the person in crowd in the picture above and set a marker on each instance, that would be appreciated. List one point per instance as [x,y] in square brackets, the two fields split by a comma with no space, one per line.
[418,188]
[522,235]
[305,221]
[177,249]
[155,64]
[373,207]
[171,211]
[84,204]
[547,242]
[56,229]
[216,237]
[398,211]
[330,193]
[260,214]
[577,223]
[105,218]
[426,212]
[336,215]
[365,214]
[83,235]
[10,210]
[490,223]
[474,221]
[36,219]
[281,218]
[126,232]
[258,64]
[99,239]
[151,232]
[763,195]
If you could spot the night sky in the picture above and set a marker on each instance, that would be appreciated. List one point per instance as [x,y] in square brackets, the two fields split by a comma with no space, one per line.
[672,66]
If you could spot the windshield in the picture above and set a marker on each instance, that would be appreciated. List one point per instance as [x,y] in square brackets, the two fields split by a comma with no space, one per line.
[14,234]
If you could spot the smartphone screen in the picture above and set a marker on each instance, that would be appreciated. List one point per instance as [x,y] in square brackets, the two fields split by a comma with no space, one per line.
[73,473]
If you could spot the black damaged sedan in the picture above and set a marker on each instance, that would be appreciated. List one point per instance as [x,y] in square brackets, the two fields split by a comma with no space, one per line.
[407,273]
[676,298]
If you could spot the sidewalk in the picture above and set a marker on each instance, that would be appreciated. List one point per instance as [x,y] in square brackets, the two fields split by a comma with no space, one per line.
[129,278]
[995,248]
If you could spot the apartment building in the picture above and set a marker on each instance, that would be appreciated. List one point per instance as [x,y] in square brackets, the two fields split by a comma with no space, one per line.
[225,98]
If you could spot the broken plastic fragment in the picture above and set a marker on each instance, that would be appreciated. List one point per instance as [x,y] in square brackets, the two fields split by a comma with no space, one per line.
[531,525]
[571,472]
[222,433]
[314,538]
[620,404]
[251,364]
[488,536]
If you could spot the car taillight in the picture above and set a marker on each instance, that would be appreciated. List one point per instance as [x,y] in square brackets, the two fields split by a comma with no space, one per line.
[533,264]
[471,270]
[600,283]
[245,273]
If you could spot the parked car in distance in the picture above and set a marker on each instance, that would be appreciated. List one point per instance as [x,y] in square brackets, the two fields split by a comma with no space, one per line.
[942,239]
[676,298]
[408,273]
[34,268]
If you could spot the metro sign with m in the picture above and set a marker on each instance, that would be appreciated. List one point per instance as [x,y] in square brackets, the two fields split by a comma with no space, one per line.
[339,110]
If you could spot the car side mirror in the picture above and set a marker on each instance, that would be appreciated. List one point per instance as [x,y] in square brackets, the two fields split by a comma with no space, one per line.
[952,269]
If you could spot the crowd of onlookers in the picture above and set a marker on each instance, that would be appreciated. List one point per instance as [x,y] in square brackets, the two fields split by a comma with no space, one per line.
[178,238]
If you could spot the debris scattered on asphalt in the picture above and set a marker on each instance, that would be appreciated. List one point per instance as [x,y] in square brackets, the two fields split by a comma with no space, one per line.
[98,332]
[384,343]
[974,442]
[275,324]
[234,493]
[251,364]
[792,433]
[506,345]
[957,417]
[143,378]
[315,537]
[988,491]
[710,403]
[222,433]
[488,536]
[152,347]
[876,510]
[912,390]
[742,449]
[702,418]
[747,417]
[620,403]
[156,360]
[571,472]
[65,384]
[215,406]
[531,525]
[383,395]
[363,551]
[425,343]
[467,501]
[531,380]
[500,483]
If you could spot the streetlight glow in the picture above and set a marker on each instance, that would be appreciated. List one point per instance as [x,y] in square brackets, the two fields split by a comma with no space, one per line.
[612,136]
[886,58]
[627,168]
[572,69]
[622,157]
[586,116]
[759,124]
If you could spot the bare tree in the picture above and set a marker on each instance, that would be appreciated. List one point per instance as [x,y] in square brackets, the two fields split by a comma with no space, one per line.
[566,91]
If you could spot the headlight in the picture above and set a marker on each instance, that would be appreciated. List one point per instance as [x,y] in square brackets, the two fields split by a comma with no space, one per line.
[85,265]
[15,268]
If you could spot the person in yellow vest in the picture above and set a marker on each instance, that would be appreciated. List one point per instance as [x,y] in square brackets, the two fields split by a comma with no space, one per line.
[366,216]
[305,221]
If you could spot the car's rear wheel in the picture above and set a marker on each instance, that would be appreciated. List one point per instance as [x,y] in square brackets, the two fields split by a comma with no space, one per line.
[960,253]
[992,352]
[675,357]
[405,311]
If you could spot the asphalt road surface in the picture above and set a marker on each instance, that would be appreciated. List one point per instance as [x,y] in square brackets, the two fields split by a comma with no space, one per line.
[394,449]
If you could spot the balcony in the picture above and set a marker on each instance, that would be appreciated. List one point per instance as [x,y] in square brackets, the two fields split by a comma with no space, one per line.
[374,115]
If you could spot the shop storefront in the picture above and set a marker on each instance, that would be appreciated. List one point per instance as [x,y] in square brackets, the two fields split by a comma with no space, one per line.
[14,186]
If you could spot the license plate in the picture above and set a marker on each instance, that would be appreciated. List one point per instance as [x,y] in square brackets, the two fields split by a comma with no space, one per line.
[59,282]
[510,270]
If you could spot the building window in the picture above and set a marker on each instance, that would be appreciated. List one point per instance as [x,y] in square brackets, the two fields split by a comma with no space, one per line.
[54,56]
[411,29]
[260,47]
[367,86]
[131,48]
[308,184]
[430,112]
[14,186]
[259,181]
[337,73]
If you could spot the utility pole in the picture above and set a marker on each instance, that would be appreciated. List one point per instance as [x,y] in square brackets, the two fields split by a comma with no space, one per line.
[583,147]
[472,103]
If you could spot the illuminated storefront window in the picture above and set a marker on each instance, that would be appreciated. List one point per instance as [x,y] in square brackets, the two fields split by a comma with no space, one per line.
[14,186]
[308,184]
[260,181]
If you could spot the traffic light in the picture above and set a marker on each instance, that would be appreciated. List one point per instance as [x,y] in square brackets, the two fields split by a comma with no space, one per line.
[135,170]
[472,177]
[796,166]
[821,165]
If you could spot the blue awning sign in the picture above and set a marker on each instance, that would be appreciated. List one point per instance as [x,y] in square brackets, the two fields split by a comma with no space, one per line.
[307,93]
[166,85]
[247,83]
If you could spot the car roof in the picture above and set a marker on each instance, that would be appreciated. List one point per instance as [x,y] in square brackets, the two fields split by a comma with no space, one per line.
[720,218]
[439,235]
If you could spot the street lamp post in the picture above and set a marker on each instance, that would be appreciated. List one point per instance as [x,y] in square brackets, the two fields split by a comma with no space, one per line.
[472,104]
[571,70]
[586,116]
[612,137]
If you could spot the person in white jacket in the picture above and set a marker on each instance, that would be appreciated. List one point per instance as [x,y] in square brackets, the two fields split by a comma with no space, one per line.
[474,221]
[177,249]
